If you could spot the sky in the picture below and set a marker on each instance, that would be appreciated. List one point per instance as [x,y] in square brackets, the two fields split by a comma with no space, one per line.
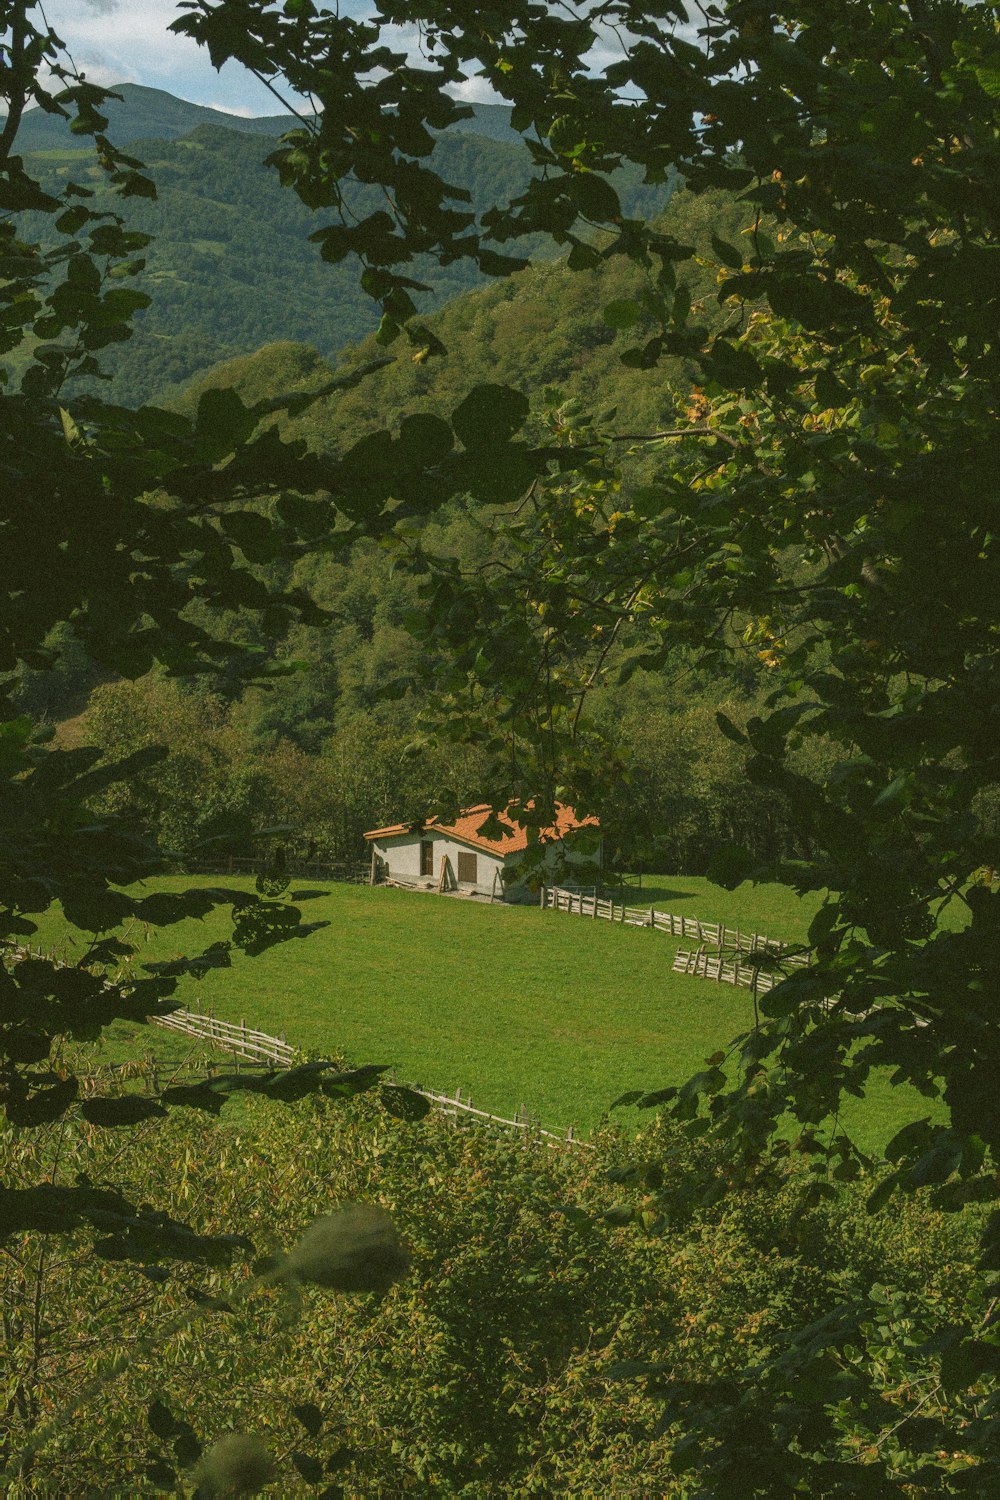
[127,41]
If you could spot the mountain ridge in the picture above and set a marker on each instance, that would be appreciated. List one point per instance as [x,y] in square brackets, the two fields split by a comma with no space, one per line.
[143,113]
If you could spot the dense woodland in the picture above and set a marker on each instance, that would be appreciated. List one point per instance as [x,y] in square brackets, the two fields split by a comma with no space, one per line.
[334,747]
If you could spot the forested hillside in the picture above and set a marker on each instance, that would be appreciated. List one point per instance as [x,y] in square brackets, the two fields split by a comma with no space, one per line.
[231,266]
[328,747]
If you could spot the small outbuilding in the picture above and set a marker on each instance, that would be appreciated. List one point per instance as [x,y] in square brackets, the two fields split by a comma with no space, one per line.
[458,856]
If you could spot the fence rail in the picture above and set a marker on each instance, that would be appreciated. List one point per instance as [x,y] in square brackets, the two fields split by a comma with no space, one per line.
[705,965]
[242,1040]
[562,898]
[258,1046]
[456,1104]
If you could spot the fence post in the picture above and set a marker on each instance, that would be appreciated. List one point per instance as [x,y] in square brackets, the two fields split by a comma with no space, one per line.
[594,912]
[652,917]
[541,898]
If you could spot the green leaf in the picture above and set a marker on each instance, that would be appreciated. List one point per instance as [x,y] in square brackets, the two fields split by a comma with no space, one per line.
[489,416]
[730,730]
[632,1097]
[881,1195]
[404,1103]
[223,422]
[310,1468]
[733,366]
[160,1420]
[727,253]
[594,197]
[312,1419]
[426,438]
[937,1164]
[729,867]
[988,78]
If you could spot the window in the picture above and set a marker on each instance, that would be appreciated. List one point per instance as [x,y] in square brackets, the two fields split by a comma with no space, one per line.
[426,857]
[466,869]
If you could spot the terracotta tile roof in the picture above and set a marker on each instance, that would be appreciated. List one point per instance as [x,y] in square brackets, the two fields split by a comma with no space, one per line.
[468,823]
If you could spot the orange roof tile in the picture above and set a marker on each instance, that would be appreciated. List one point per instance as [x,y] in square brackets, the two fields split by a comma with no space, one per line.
[468,823]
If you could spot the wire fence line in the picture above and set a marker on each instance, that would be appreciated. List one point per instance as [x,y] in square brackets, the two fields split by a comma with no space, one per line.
[345,872]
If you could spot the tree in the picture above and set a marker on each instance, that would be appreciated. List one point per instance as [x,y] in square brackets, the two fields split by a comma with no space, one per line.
[118,527]
[828,487]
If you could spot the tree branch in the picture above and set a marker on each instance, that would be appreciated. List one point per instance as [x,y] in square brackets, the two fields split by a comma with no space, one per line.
[18,96]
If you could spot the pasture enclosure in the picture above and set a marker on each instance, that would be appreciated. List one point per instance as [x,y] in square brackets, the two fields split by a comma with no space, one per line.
[503,1003]
[725,954]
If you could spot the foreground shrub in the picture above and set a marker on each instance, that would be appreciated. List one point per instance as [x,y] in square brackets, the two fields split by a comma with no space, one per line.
[556,1301]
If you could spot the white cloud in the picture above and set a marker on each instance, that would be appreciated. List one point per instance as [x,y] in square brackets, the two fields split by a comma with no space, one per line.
[116,41]
[242,111]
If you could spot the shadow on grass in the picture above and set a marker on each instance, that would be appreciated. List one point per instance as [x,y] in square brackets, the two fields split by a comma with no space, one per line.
[308,895]
[655,895]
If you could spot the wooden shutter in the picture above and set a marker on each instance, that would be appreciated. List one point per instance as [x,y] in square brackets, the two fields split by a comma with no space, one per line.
[466,869]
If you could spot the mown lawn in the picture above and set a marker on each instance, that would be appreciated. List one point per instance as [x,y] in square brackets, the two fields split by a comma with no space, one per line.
[512,1005]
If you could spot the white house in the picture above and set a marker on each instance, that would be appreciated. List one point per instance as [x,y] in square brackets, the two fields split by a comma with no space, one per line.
[458,856]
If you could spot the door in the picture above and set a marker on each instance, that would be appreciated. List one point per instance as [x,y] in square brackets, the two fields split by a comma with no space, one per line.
[426,857]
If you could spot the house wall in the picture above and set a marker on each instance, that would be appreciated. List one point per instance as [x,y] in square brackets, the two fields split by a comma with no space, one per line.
[556,855]
[402,855]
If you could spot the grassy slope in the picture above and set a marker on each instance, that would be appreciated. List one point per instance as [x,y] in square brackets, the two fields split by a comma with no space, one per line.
[511,1004]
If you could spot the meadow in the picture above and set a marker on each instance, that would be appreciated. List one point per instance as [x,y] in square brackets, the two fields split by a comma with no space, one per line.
[514,1006]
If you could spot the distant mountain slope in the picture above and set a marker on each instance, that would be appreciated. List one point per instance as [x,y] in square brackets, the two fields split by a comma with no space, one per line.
[231,266]
[153,114]
[150,114]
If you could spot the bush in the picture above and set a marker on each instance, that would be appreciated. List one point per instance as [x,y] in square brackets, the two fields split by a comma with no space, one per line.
[556,1299]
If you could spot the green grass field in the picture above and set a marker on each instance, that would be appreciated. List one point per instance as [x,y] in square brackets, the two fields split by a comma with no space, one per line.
[511,1004]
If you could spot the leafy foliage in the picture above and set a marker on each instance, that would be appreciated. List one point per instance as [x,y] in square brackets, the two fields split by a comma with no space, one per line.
[558,1306]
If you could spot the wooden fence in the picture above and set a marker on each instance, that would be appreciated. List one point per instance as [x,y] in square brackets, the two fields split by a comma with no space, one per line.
[723,970]
[560,898]
[261,1048]
[241,1040]
[457,1104]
